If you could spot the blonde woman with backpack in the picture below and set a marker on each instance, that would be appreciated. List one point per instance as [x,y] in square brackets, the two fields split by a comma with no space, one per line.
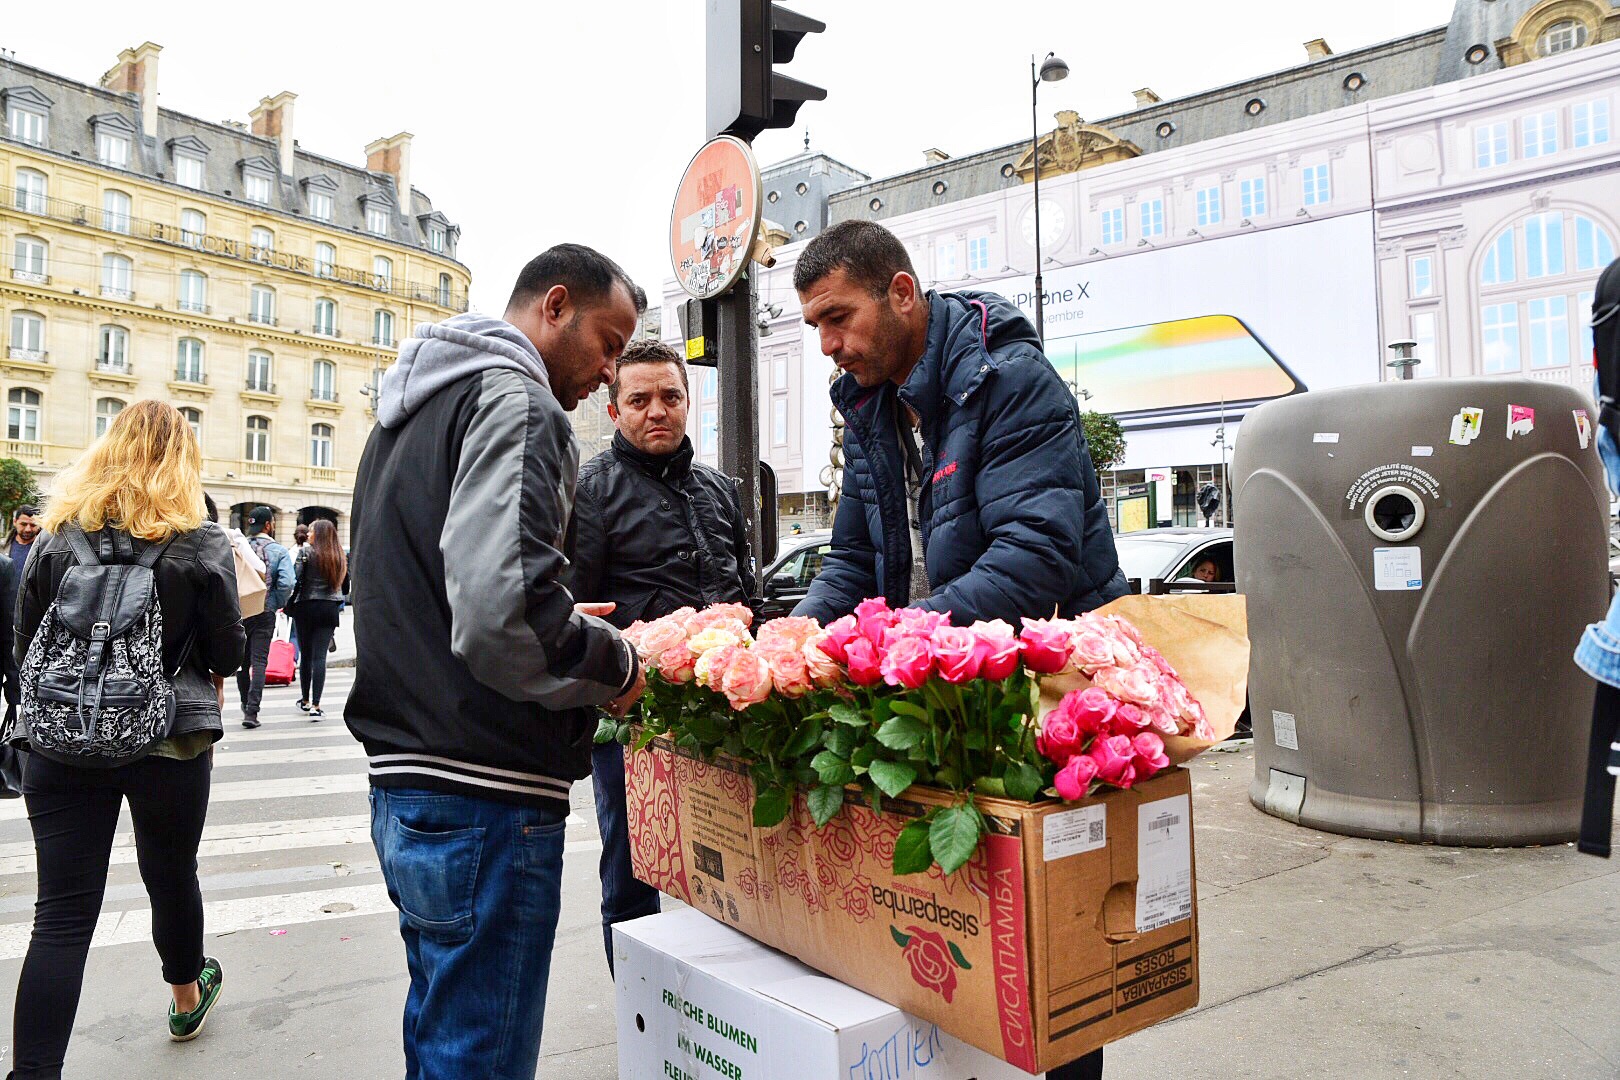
[124,614]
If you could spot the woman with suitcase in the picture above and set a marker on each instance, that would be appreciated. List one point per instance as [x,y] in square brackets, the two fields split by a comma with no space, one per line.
[323,582]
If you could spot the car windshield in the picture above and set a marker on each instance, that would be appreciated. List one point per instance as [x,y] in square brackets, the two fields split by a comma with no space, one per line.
[1146,559]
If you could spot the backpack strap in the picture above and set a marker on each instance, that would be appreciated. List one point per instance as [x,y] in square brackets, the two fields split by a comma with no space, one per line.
[154,551]
[79,544]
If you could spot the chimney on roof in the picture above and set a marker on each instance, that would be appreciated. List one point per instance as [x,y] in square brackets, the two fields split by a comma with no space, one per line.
[393,156]
[934,155]
[1317,49]
[137,73]
[273,119]
[1146,97]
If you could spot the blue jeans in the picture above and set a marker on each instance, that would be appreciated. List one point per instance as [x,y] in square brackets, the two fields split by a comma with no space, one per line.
[478,885]
[623,897]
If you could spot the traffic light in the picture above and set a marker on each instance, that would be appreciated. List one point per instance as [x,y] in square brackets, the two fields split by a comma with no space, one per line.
[745,40]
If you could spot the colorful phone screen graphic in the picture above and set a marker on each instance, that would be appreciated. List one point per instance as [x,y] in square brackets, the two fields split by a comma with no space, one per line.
[1184,364]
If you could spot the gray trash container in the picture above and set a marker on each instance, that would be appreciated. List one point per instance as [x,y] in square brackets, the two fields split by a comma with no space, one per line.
[1418,578]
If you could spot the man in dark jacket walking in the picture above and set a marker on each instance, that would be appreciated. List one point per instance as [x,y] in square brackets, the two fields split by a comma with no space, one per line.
[478,677]
[654,531]
[967,485]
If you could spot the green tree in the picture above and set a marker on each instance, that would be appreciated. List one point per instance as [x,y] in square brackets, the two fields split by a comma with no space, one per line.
[17,488]
[1104,438]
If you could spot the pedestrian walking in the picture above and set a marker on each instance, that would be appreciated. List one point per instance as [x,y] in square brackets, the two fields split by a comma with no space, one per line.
[654,531]
[967,485]
[477,675]
[279,579]
[300,545]
[135,497]
[323,581]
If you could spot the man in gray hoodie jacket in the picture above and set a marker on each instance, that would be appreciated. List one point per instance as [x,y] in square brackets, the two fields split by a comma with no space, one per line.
[477,675]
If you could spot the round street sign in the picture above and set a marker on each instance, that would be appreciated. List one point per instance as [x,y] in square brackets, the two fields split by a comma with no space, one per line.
[715,218]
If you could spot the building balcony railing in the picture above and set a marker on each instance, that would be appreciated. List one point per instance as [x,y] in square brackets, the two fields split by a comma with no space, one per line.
[112,366]
[72,213]
[385,341]
[258,468]
[33,356]
[260,386]
[24,449]
[192,305]
[31,276]
[262,319]
[197,378]
[117,292]
[321,475]
[329,397]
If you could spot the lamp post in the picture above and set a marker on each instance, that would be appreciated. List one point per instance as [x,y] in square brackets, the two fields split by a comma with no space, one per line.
[1051,70]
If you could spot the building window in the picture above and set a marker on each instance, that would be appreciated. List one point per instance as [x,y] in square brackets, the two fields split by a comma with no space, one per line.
[1499,325]
[115,208]
[1318,185]
[320,446]
[444,290]
[193,291]
[194,421]
[114,353]
[1549,331]
[945,259]
[27,337]
[1539,133]
[1593,248]
[377,220]
[1113,225]
[193,227]
[1152,215]
[326,317]
[382,328]
[30,191]
[1499,265]
[1491,145]
[258,439]
[1590,124]
[22,415]
[107,410]
[706,432]
[779,421]
[26,125]
[978,254]
[112,149]
[436,240]
[1583,312]
[259,372]
[323,381]
[383,270]
[1209,206]
[117,274]
[258,188]
[30,262]
[320,206]
[262,305]
[1424,333]
[188,171]
[1252,194]
[1543,245]
[1421,277]
[261,244]
[1561,36]
[325,260]
[188,363]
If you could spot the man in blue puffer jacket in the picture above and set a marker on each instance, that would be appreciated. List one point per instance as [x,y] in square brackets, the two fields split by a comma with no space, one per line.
[967,484]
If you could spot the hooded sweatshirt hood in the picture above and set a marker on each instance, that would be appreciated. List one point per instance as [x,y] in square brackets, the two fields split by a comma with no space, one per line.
[441,353]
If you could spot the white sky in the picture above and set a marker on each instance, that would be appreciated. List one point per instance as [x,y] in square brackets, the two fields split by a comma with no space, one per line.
[548,121]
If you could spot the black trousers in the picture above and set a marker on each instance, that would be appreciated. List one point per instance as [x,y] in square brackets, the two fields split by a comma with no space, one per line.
[1597,818]
[73,814]
[313,640]
[1087,1068]
[250,679]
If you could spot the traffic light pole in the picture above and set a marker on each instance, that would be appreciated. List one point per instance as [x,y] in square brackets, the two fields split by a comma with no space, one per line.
[738,377]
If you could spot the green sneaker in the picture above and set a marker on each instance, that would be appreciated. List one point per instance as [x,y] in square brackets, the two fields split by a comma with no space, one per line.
[183,1027]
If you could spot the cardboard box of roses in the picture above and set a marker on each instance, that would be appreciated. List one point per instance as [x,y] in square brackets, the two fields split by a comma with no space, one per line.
[1070,921]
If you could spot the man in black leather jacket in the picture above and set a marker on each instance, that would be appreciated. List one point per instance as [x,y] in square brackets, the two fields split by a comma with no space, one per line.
[653,531]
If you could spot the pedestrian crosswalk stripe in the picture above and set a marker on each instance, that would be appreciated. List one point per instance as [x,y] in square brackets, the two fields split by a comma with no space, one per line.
[237,741]
[245,790]
[292,755]
[234,839]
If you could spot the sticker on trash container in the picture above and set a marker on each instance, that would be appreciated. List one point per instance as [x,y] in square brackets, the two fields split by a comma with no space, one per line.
[1397,569]
[1521,420]
[1465,426]
[1326,437]
[1583,427]
[1285,730]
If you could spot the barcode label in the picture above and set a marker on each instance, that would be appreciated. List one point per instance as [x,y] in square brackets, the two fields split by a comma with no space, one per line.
[1074,832]
[1164,887]
[1165,821]
[1094,834]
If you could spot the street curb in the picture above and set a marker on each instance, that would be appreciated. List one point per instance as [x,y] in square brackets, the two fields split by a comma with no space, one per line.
[347,661]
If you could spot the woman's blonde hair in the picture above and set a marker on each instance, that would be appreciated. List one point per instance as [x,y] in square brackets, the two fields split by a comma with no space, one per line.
[144,476]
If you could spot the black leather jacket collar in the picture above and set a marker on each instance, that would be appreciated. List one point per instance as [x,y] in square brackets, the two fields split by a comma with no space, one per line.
[671,467]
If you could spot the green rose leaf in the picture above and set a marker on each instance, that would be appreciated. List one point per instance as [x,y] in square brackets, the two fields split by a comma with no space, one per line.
[912,854]
[1023,781]
[900,939]
[807,736]
[953,837]
[893,776]
[956,954]
[833,769]
[840,740]
[901,732]
[902,707]
[846,713]
[863,756]
[824,802]
[771,805]
[607,729]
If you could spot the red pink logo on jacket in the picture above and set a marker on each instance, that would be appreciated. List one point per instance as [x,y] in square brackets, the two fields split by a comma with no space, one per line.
[944,472]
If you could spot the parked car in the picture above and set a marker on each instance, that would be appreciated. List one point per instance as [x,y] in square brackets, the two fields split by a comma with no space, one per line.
[789,577]
[1173,554]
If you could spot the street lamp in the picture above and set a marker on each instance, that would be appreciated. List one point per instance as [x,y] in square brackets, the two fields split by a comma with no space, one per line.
[1051,70]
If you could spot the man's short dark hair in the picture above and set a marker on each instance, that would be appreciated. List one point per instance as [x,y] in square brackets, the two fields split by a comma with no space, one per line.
[867,252]
[30,511]
[588,275]
[647,351]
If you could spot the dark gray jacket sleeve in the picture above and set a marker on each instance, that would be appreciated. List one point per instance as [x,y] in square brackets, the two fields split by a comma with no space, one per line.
[512,619]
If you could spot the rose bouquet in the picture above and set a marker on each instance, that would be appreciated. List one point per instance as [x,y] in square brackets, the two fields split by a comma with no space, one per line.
[884,698]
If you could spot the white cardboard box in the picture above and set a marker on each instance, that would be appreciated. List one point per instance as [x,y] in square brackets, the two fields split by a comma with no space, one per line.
[699,1001]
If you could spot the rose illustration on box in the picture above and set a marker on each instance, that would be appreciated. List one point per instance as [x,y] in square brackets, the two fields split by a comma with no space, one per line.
[933,960]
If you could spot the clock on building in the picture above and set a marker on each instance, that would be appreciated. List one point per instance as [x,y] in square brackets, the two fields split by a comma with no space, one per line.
[1053,220]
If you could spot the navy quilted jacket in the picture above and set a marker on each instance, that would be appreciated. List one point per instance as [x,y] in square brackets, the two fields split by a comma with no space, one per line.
[1013,519]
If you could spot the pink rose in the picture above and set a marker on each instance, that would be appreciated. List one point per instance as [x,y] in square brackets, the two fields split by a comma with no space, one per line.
[908,663]
[1091,709]
[789,671]
[837,637]
[915,622]
[663,634]
[1115,756]
[1138,685]
[633,632]
[793,629]
[1045,646]
[747,680]
[1124,627]
[711,666]
[874,617]
[997,649]
[1160,719]
[741,612]
[1156,658]
[1060,738]
[1150,755]
[954,650]
[1073,781]
[824,671]
[1128,720]
[1092,650]
[864,669]
[677,664]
